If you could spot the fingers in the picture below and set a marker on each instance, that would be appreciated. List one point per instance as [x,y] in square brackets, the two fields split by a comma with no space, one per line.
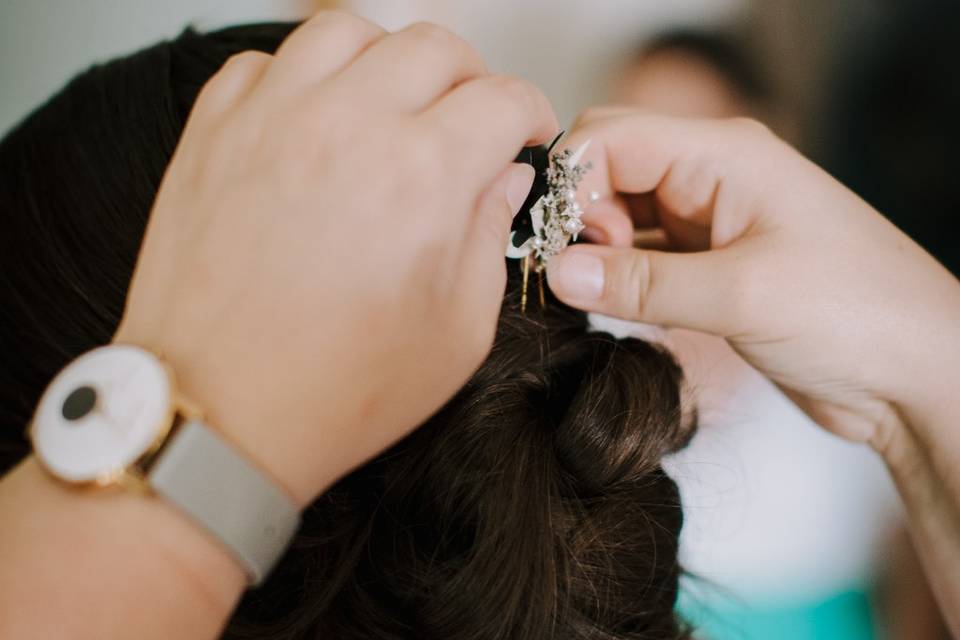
[483,271]
[486,121]
[319,48]
[601,112]
[694,291]
[608,222]
[231,84]
[684,169]
[412,68]
[634,153]
[643,209]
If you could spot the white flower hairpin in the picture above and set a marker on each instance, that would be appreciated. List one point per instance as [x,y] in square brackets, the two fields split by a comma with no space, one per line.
[555,218]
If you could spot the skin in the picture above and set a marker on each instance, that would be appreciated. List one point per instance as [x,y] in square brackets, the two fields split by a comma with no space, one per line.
[806,281]
[677,83]
[236,286]
[307,359]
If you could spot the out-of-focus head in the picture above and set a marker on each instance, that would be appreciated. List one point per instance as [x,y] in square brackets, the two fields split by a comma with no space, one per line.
[692,74]
[533,505]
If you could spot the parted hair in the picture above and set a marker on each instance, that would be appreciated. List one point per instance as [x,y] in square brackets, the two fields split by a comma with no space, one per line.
[533,505]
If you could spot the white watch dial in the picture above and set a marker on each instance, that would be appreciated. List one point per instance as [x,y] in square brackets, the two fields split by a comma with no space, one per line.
[102,412]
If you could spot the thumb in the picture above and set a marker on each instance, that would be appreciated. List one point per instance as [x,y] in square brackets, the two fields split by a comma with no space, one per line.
[689,290]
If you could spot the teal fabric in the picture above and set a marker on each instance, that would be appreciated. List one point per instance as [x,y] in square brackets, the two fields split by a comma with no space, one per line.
[844,616]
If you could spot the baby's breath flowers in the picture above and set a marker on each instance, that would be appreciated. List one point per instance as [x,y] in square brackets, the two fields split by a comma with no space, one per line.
[555,218]
[556,215]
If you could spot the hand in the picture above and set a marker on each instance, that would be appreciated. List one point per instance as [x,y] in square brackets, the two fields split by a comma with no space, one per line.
[324,262]
[804,279]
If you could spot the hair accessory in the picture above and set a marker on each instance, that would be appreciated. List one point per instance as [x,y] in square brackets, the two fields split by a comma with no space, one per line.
[555,217]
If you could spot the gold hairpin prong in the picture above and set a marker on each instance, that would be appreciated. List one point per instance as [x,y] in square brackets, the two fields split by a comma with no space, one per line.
[543,301]
[526,278]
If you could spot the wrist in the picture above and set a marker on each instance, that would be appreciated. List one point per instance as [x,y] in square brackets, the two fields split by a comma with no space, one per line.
[140,549]
[920,452]
[115,417]
[919,382]
[932,414]
[921,458]
[245,414]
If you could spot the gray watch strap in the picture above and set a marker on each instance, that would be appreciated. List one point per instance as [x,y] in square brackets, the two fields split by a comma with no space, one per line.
[215,485]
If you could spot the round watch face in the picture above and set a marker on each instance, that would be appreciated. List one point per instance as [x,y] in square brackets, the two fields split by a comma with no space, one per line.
[101,413]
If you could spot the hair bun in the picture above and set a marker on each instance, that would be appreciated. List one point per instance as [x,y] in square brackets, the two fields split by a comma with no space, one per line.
[617,406]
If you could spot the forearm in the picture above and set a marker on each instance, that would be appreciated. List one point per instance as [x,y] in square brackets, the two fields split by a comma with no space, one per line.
[106,564]
[924,460]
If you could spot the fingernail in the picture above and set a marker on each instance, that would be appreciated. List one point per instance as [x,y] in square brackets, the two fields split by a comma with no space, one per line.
[576,276]
[519,185]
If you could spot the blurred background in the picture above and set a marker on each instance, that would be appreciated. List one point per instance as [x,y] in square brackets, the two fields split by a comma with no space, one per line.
[790,533]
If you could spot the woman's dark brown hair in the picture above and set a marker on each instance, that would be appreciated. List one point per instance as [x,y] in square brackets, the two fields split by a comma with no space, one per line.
[533,505]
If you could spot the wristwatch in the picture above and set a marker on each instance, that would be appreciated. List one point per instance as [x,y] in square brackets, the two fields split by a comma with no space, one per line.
[114,417]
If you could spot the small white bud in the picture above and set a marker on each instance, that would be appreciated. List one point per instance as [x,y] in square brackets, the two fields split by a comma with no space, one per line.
[572,226]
